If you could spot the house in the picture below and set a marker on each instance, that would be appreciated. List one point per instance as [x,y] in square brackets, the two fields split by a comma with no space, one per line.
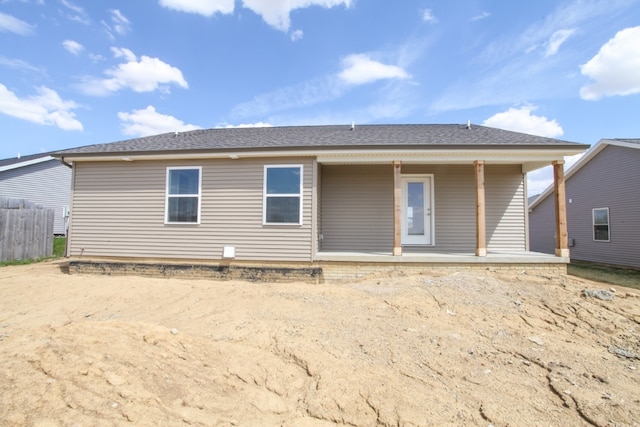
[334,197]
[603,201]
[40,179]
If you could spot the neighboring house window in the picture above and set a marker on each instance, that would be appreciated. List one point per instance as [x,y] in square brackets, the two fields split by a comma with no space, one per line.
[282,194]
[601,224]
[183,195]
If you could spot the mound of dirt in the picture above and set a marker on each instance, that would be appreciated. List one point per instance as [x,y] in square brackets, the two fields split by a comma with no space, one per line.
[458,349]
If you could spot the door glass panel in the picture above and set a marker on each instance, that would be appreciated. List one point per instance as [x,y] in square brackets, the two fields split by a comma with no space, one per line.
[415,208]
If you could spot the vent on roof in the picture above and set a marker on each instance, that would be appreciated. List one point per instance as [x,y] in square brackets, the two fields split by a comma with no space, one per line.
[468,124]
[353,125]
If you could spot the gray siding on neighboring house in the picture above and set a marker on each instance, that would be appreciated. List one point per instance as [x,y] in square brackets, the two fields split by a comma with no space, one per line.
[357,208]
[542,227]
[119,207]
[609,180]
[47,183]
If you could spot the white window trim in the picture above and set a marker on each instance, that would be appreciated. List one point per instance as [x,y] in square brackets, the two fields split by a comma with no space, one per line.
[166,197]
[593,224]
[265,195]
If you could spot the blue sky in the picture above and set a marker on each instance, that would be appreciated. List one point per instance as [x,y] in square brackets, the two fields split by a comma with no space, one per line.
[74,72]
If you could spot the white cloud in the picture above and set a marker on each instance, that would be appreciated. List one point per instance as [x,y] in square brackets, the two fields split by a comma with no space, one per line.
[427,16]
[145,75]
[73,47]
[481,16]
[119,24]
[45,108]
[19,64]
[521,120]
[121,52]
[556,40]
[246,125]
[72,6]
[95,57]
[616,67]
[360,69]
[79,15]
[292,97]
[201,7]
[11,24]
[276,13]
[506,72]
[296,35]
[149,122]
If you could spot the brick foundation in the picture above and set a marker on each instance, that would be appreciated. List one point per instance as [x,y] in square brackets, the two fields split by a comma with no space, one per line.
[338,271]
[266,273]
[319,272]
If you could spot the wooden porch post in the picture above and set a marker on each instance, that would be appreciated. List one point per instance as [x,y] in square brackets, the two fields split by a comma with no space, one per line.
[397,210]
[481,231]
[562,236]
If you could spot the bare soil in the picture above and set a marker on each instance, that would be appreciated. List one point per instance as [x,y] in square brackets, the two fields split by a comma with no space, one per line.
[458,349]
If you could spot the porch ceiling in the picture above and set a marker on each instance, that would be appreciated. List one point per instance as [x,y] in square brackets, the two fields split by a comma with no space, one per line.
[530,159]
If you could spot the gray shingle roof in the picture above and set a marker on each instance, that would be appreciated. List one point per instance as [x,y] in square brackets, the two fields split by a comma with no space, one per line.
[631,140]
[323,137]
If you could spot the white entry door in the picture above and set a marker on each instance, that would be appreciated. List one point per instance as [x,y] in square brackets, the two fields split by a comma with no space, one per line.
[416,210]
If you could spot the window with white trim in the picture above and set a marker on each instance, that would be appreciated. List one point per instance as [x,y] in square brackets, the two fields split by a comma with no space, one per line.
[182,205]
[282,200]
[601,224]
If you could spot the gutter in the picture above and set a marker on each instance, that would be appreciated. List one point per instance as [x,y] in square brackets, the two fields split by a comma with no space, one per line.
[69,165]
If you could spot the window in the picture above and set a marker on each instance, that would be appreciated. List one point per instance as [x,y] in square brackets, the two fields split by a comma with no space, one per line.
[183,195]
[601,224]
[282,194]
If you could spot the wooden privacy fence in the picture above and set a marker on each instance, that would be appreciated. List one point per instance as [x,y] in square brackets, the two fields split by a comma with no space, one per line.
[26,230]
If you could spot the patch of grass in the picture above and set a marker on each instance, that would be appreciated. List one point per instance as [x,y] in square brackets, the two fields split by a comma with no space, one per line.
[59,245]
[615,276]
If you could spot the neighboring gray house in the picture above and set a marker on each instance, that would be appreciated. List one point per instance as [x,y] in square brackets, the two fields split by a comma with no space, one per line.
[311,194]
[41,179]
[603,206]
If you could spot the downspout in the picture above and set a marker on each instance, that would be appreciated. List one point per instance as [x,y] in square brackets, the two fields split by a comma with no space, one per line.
[69,165]
[67,250]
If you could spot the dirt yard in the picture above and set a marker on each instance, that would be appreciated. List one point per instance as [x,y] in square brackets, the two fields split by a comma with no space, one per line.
[462,349]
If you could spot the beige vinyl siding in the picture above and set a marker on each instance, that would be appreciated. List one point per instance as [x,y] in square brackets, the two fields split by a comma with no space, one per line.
[357,212]
[119,210]
[454,206]
[357,207]
[505,208]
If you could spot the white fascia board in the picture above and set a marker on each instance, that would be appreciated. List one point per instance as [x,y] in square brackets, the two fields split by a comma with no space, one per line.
[26,163]
[443,156]
[522,156]
[620,143]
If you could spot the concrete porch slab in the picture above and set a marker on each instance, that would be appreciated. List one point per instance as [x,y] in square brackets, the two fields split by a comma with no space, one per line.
[442,258]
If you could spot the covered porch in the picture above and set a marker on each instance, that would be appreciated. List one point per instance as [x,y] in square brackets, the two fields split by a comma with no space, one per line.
[462,210]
